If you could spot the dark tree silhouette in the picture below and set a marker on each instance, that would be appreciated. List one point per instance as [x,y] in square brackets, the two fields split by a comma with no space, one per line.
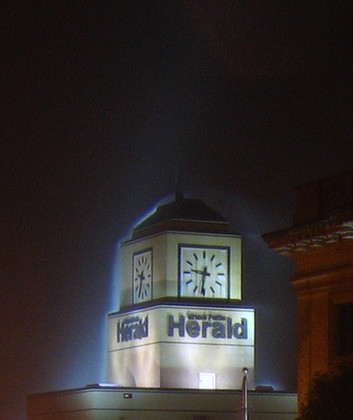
[331,395]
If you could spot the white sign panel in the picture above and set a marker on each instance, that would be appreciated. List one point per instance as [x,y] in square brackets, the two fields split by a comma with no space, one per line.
[174,346]
[183,324]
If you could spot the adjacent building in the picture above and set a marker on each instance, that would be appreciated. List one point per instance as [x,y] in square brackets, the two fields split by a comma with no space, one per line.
[320,242]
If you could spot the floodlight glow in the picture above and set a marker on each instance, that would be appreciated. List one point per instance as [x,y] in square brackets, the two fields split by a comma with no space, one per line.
[107,385]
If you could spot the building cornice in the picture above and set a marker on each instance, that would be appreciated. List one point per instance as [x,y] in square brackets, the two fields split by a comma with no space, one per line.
[312,235]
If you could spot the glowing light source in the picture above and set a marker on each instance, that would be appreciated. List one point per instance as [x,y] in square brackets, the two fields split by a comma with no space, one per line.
[207,380]
[107,385]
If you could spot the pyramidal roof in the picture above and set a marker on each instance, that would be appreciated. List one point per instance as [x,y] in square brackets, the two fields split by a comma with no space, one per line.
[182,214]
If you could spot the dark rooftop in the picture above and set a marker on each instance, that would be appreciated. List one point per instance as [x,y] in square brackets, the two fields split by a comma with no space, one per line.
[178,214]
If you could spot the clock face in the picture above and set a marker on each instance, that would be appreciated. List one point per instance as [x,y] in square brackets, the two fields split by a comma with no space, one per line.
[142,276]
[204,272]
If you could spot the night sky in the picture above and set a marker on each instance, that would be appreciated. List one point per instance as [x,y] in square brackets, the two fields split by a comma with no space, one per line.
[103,103]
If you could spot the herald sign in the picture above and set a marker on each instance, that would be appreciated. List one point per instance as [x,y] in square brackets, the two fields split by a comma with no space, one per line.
[184,324]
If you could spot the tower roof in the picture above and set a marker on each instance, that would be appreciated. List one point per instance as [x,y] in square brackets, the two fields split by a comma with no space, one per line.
[182,215]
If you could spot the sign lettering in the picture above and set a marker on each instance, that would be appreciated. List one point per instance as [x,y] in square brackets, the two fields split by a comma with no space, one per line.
[216,326]
[133,328]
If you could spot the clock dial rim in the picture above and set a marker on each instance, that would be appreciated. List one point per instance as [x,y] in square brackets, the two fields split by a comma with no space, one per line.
[184,251]
[136,257]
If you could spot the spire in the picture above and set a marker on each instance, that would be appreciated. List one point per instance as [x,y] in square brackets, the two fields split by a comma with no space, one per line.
[179,196]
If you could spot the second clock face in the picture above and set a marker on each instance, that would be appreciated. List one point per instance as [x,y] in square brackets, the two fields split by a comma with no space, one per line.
[204,272]
[142,276]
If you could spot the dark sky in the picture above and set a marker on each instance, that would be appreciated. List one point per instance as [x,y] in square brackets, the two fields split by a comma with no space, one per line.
[102,103]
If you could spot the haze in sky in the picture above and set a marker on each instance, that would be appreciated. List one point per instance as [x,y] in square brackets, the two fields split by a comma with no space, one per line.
[102,104]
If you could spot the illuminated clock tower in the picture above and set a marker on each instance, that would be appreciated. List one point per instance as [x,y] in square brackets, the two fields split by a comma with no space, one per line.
[180,323]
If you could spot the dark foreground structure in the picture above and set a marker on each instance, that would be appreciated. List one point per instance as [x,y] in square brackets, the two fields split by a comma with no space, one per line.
[115,403]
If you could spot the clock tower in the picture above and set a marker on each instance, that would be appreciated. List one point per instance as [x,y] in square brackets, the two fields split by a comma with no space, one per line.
[180,322]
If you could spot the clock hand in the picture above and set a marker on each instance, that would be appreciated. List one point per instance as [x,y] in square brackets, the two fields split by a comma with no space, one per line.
[142,278]
[203,290]
[203,272]
[203,279]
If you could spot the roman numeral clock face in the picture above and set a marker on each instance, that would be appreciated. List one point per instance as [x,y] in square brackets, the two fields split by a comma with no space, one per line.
[142,276]
[204,272]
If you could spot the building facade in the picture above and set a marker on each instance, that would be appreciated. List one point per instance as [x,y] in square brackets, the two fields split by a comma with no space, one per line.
[179,343]
[320,242]
[105,403]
